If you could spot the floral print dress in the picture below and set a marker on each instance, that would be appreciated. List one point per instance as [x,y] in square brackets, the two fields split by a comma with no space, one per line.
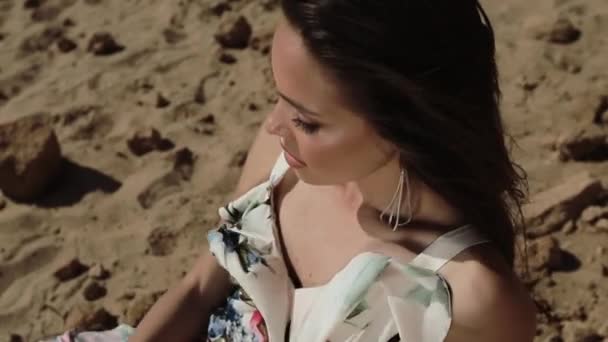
[373,298]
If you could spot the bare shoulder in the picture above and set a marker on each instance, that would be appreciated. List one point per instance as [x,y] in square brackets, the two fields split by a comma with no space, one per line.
[262,155]
[489,302]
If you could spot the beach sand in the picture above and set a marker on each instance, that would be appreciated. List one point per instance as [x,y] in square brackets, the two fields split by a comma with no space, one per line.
[127,213]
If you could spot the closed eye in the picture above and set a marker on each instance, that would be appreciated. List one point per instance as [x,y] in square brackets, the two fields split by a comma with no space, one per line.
[308,128]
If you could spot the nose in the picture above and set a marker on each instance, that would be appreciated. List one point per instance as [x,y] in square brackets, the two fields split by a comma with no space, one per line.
[274,123]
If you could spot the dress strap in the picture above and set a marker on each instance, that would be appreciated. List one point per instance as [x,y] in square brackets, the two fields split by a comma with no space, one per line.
[447,246]
[279,169]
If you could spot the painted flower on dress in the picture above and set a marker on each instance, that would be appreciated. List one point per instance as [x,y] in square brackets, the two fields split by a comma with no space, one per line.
[237,243]
[249,244]
[238,319]
[258,326]
[234,211]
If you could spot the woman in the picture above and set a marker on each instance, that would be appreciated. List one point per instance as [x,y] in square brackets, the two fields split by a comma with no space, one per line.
[379,201]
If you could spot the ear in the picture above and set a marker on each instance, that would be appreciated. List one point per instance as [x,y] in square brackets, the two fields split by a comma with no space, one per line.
[388,149]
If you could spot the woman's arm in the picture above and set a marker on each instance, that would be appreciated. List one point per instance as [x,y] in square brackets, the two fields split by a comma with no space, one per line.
[183,312]
[491,307]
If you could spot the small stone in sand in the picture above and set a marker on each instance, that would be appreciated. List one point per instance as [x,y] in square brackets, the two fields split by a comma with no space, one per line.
[2,203]
[173,36]
[205,125]
[85,317]
[68,22]
[148,140]
[104,44]
[219,8]
[161,101]
[16,338]
[601,112]
[71,270]
[33,3]
[255,43]
[128,295]
[588,143]
[184,162]
[199,94]
[99,272]
[208,119]
[564,32]
[94,291]
[30,157]
[227,58]
[544,253]
[66,45]
[234,35]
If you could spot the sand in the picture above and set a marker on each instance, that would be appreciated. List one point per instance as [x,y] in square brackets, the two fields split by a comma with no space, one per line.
[135,223]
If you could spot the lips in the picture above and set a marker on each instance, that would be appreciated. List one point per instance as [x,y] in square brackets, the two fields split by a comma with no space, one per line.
[291,155]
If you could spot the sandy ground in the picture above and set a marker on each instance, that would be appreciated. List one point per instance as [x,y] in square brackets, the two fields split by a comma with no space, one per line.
[135,223]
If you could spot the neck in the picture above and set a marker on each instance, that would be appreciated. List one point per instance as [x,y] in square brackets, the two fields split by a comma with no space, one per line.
[371,195]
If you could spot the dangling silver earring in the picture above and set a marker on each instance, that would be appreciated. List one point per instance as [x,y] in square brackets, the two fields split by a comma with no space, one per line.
[399,194]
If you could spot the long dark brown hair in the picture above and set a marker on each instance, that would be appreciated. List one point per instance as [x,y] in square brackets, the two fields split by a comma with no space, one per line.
[423,74]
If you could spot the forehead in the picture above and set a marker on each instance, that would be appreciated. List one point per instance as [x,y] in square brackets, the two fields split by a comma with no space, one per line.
[288,48]
[297,74]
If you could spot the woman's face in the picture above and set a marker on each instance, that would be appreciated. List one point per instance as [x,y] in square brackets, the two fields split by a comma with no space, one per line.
[313,121]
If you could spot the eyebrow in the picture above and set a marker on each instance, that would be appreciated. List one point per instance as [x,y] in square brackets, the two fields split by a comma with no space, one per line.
[298,106]
[291,101]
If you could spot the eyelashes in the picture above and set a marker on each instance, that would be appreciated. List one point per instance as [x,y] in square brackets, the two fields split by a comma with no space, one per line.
[308,128]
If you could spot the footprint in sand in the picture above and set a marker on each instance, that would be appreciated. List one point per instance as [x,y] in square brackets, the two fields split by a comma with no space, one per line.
[172,182]
[33,256]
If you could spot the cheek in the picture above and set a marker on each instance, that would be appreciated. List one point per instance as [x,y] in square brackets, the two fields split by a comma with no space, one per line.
[329,149]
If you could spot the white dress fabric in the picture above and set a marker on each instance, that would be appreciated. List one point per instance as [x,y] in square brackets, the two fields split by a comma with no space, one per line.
[373,298]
